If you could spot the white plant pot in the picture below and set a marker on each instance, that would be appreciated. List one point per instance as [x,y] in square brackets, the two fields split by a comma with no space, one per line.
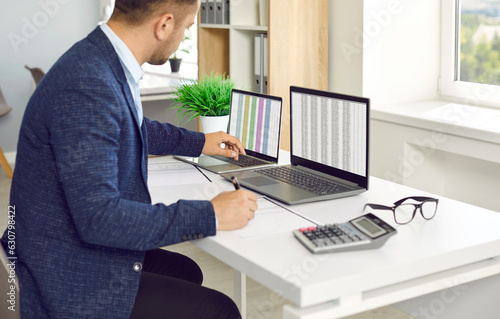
[210,124]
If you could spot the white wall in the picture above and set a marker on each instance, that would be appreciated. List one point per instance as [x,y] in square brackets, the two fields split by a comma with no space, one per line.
[345,47]
[386,50]
[402,50]
[35,33]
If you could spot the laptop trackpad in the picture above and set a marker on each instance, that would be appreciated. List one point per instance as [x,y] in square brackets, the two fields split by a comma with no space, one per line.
[260,181]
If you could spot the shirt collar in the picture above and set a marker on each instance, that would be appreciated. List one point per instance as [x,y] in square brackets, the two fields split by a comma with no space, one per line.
[134,71]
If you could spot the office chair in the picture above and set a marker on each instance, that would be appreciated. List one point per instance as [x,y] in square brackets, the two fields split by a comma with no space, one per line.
[4,109]
[37,74]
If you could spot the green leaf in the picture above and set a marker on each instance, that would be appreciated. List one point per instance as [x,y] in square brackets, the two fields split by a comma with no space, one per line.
[209,96]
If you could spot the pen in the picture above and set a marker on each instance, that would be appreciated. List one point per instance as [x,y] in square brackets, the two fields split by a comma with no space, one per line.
[235,182]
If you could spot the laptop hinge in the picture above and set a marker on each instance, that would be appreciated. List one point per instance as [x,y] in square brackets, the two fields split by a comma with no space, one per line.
[323,175]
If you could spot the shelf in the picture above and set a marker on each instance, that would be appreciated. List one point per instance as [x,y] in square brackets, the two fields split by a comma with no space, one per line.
[295,33]
[258,28]
[215,26]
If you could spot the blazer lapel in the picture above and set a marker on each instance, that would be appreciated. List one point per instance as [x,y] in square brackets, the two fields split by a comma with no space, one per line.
[99,38]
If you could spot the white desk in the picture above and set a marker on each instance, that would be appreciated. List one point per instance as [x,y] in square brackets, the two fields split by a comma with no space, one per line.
[461,244]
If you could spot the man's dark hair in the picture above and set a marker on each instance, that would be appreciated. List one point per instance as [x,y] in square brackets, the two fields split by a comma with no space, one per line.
[135,12]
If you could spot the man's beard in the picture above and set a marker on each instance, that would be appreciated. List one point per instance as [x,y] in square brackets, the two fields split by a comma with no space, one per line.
[158,59]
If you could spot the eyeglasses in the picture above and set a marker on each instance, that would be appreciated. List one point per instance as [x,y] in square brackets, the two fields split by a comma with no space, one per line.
[404,212]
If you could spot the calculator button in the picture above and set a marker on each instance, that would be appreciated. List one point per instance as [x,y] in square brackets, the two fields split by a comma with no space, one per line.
[328,241]
[350,235]
[311,228]
[319,242]
[346,239]
[336,240]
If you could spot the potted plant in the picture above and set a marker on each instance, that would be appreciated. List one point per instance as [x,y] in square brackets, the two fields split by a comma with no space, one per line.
[175,61]
[208,98]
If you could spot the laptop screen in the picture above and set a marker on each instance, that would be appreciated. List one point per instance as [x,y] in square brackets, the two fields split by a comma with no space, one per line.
[330,129]
[255,120]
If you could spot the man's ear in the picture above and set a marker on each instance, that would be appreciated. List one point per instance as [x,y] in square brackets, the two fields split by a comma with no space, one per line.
[164,26]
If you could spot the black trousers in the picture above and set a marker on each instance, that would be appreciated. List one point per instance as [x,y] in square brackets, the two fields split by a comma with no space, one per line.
[170,287]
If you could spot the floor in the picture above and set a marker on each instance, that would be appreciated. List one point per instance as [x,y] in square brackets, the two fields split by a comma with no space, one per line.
[262,303]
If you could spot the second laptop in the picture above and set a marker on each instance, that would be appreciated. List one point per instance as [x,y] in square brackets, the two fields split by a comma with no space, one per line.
[255,119]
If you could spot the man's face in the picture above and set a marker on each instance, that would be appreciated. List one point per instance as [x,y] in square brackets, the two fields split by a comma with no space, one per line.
[170,45]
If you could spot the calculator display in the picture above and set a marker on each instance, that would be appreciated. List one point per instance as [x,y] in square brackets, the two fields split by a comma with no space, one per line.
[367,227]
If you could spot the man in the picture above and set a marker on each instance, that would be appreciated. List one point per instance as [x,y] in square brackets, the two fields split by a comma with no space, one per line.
[86,232]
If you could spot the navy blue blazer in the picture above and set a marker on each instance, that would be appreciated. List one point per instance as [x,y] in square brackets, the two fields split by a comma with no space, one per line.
[84,217]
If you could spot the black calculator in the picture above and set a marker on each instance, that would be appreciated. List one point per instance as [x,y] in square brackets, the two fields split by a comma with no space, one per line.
[365,232]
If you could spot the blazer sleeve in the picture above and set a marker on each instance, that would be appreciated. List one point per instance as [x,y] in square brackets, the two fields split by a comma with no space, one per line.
[168,139]
[86,124]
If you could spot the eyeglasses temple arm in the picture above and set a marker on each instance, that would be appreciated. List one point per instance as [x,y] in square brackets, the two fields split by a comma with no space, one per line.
[377,206]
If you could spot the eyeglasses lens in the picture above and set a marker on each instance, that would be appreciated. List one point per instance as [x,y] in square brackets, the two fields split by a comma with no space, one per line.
[404,213]
[429,209]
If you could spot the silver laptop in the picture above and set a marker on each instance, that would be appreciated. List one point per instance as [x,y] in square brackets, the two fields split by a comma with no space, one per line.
[329,150]
[255,119]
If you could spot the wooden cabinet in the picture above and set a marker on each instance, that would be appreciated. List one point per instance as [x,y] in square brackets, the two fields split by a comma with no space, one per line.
[297,47]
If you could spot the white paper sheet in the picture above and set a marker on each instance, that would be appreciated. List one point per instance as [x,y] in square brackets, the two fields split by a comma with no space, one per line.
[174,173]
[272,219]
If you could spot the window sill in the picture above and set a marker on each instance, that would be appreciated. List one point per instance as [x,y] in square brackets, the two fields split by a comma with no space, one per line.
[472,122]
[158,80]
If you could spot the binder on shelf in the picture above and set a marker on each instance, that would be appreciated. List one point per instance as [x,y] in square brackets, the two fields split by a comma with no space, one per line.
[265,65]
[258,64]
[203,11]
[260,54]
[225,11]
[218,11]
[211,11]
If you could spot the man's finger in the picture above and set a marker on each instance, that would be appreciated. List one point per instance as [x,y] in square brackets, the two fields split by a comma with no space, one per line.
[228,153]
[234,143]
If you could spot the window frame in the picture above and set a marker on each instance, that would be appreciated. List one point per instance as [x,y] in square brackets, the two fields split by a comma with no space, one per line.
[191,57]
[466,92]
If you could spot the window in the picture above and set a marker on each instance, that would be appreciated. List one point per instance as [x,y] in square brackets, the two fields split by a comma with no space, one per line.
[470,61]
[190,44]
[188,49]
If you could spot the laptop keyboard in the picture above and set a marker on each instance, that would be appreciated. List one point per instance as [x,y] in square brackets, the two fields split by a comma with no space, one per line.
[303,180]
[243,161]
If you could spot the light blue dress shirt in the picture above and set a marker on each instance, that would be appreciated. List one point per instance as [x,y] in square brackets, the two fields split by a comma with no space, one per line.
[133,70]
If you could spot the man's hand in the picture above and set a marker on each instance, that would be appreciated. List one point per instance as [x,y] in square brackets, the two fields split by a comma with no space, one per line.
[213,142]
[234,209]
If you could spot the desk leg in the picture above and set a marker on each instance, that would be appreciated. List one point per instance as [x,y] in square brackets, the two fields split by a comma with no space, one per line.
[240,292]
